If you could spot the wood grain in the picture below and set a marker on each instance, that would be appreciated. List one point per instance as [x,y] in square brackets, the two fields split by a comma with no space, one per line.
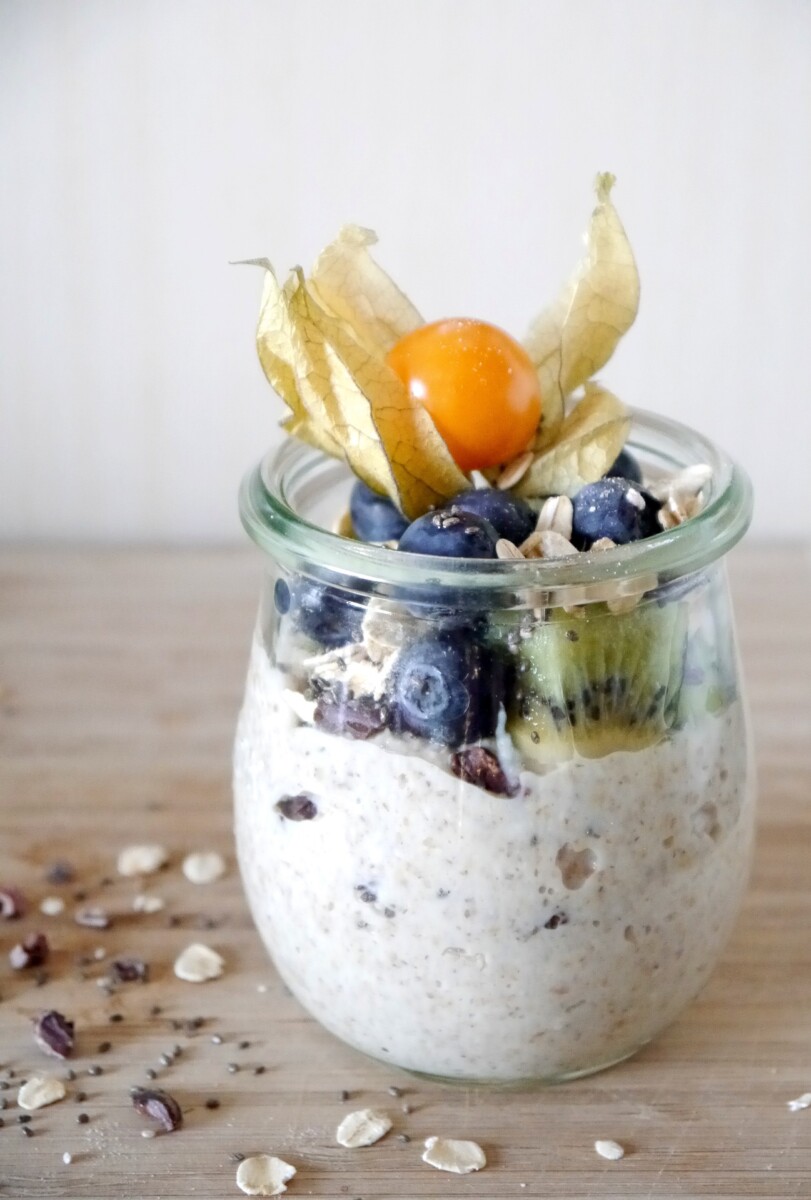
[120,681]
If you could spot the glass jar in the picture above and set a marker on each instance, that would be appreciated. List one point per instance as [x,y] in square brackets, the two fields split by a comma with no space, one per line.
[494,819]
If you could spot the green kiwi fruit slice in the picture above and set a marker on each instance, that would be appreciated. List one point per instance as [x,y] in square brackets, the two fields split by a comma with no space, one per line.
[591,682]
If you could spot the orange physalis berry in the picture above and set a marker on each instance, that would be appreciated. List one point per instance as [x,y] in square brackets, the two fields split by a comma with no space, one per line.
[477,383]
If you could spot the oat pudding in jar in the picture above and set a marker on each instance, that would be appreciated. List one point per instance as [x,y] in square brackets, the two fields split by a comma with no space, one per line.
[492,777]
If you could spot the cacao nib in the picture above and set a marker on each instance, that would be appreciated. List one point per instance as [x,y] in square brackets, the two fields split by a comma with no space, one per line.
[129,970]
[30,952]
[53,1033]
[360,719]
[557,918]
[481,767]
[159,1106]
[60,872]
[12,903]
[297,808]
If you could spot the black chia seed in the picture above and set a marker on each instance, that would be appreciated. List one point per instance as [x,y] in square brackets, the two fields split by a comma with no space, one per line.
[95,1069]
[213,1102]
[82,1118]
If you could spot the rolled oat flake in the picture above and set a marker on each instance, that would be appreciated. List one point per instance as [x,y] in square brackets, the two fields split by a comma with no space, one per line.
[199,963]
[142,860]
[607,1148]
[203,867]
[450,1154]
[362,1128]
[264,1175]
[39,1091]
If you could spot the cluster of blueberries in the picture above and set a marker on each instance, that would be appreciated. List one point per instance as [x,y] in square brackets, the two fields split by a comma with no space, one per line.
[615,507]
[448,684]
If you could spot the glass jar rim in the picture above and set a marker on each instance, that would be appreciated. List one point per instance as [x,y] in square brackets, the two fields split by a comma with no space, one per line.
[274,525]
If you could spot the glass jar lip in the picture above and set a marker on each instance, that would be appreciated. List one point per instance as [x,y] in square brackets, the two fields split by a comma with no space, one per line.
[274,525]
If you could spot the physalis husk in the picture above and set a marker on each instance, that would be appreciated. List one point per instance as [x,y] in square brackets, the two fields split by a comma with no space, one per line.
[323,341]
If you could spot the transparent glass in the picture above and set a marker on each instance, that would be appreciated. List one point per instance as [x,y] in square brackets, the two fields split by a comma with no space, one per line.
[494,819]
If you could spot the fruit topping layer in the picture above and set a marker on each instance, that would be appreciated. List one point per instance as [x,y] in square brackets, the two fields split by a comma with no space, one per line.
[467,444]
[453,428]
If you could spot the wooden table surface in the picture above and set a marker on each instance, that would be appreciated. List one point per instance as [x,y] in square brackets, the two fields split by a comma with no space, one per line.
[120,681]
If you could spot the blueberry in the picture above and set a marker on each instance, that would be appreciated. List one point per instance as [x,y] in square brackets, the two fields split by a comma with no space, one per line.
[649,520]
[374,517]
[326,614]
[447,688]
[611,508]
[450,534]
[281,596]
[510,516]
[625,466]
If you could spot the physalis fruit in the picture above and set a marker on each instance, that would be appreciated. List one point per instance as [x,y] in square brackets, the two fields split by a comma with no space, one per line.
[478,385]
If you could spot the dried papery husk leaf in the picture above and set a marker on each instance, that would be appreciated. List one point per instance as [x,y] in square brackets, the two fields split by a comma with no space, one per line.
[390,442]
[589,441]
[578,333]
[283,356]
[349,282]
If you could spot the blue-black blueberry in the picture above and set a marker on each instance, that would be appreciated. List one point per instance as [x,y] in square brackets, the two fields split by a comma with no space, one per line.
[610,508]
[510,516]
[447,687]
[625,466]
[328,615]
[374,517]
[450,534]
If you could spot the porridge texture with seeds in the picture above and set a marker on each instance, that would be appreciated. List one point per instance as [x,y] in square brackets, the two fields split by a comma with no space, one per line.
[483,961]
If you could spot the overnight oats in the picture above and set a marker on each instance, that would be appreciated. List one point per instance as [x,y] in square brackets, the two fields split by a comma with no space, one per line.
[494,797]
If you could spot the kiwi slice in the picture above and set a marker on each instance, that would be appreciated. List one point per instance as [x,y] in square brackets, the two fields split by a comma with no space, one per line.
[597,681]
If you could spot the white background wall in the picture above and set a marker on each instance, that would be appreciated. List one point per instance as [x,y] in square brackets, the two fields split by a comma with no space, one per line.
[144,143]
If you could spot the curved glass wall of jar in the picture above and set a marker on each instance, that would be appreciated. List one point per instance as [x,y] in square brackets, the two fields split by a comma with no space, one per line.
[494,819]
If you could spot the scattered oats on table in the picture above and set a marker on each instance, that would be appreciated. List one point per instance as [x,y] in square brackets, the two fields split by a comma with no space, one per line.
[362,1128]
[264,1175]
[607,1148]
[451,1154]
[199,963]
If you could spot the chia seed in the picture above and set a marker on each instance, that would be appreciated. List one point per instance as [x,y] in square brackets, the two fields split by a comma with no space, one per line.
[232,1068]
[82,1118]
[212,1103]
[95,1069]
